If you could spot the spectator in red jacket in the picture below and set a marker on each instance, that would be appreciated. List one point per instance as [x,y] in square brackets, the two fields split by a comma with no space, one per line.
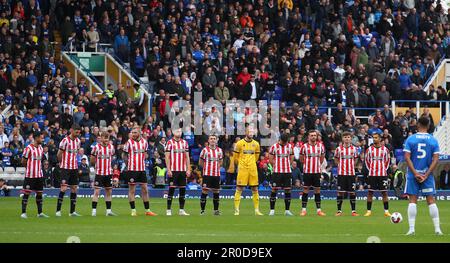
[164,109]
[244,77]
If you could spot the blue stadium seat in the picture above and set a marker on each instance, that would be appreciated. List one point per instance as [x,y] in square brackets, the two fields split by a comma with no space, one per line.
[399,155]
[278,90]
[377,36]
[195,153]
[223,174]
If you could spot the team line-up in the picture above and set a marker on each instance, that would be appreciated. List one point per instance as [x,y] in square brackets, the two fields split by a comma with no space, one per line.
[421,155]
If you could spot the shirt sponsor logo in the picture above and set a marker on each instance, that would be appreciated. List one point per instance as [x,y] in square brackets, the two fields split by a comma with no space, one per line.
[427,190]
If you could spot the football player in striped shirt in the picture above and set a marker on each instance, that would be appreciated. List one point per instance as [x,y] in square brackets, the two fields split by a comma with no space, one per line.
[34,180]
[67,157]
[211,158]
[312,155]
[135,153]
[178,169]
[101,158]
[377,160]
[281,156]
[345,157]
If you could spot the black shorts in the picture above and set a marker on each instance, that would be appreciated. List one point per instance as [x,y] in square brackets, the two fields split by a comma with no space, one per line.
[178,179]
[211,182]
[346,183]
[377,183]
[33,184]
[69,177]
[104,181]
[311,180]
[281,180]
[136,177]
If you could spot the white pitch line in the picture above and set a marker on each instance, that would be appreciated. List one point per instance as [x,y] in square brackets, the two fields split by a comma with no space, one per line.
[199,234]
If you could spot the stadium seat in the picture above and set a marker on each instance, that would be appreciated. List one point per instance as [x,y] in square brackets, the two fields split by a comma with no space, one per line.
[102,123]
[195,153]
[9,170]
[223,174]
[399,155]
[279,90]
[20,170]
[277,97]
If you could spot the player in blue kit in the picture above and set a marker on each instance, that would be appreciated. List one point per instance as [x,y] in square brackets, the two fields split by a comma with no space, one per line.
[421,155]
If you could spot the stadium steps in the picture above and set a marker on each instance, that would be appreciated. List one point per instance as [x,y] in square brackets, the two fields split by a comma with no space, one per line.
[57,46]
[442,134]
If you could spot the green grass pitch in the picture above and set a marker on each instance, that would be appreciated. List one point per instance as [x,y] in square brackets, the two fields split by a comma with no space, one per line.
[209,228]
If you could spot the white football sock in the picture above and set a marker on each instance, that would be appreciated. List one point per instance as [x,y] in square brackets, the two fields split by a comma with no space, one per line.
[412,212]
[434,213]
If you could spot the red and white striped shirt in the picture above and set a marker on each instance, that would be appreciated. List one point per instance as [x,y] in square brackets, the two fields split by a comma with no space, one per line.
[33,155]
[346,157]
[136,154]
[103,158]
[70,149]
[312,153]
[282,154]
[211,158]
[377,160]
[177,150]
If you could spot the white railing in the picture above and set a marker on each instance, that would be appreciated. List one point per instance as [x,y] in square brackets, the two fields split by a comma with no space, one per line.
[146,93]
[78,70]
[441,66]
[6,112]
[442,134]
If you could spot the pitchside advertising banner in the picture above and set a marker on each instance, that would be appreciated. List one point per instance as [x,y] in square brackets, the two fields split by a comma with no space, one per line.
[441,195]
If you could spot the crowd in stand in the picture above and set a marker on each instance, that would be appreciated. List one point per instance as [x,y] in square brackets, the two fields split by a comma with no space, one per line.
[310,54]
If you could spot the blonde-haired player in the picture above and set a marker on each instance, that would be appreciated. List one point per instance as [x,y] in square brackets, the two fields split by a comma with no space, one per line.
[247,153]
